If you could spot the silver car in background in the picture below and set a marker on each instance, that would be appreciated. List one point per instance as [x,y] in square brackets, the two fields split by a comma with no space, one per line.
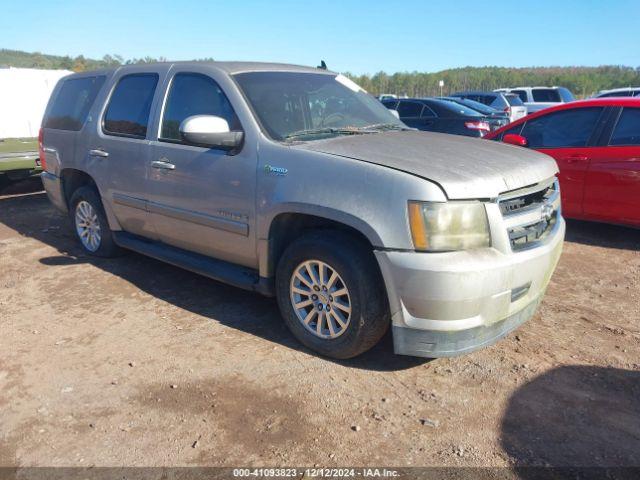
[294,182]
[539,98]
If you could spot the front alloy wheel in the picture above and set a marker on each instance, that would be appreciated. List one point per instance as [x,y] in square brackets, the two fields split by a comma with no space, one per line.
[331,293]
[320,299]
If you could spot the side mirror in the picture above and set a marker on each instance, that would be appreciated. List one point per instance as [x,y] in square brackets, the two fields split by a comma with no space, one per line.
[209,131]
[514,139]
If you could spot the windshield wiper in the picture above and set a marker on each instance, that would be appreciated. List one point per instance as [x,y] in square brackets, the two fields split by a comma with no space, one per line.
[384,127]
[324,131]
[376,127]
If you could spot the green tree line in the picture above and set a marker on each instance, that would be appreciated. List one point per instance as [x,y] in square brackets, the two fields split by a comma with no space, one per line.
[582,81]
[16,58]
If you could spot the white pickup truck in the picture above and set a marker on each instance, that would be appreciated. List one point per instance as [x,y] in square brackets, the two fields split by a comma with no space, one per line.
[539,98]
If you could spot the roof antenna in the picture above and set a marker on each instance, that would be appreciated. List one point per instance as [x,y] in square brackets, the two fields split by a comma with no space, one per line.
[322,66]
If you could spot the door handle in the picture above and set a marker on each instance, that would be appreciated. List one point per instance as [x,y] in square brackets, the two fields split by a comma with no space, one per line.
[163,165]
[98,153]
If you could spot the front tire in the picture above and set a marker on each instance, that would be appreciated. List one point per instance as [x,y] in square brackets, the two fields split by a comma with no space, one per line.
[90,223]
[331,294]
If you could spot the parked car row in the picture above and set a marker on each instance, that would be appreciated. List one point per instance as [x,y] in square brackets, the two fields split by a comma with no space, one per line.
[444,116]
[497,107]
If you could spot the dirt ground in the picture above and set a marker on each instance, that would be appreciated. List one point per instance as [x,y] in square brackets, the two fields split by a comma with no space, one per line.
[134,362]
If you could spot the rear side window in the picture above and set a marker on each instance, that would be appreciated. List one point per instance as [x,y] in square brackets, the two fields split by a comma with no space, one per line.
[484,99]
[495,101]
[545,95]
[567,128]
[390,104]
[627,131]
[521,94]
[128,111]
[409,109]
[194,94]
[514,100]
[73,102]
[566,95]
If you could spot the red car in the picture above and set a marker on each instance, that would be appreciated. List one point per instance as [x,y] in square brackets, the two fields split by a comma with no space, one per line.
[596,144]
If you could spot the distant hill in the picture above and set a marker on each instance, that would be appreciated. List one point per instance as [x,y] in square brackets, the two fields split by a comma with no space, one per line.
[582,81]
[17,58]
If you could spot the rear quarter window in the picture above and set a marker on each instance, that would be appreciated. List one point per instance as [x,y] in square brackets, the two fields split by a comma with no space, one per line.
[566,95]
[498,102]
[489,100]
[627,130]
[72,103]
[514,100]
[521,94]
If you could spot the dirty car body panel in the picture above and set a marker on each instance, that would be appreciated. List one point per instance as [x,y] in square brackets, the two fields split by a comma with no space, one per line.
[224,205]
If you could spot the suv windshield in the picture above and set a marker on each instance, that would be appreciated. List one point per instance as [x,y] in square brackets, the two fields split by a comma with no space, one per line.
[307,106]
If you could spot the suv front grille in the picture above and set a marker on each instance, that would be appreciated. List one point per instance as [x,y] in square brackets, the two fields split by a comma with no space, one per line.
[530,215]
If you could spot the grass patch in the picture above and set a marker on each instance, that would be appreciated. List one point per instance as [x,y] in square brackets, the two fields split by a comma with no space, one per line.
[15,145]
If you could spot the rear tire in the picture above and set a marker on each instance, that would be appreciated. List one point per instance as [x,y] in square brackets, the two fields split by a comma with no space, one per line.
[90,223]
[341,312]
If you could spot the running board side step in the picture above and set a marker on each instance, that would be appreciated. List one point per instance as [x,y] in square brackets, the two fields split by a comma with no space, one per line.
[219,270]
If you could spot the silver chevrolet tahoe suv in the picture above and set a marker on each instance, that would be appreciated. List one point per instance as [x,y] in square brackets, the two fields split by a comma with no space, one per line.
[294,182]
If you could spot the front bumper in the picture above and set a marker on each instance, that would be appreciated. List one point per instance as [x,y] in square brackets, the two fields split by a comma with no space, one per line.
[447,304]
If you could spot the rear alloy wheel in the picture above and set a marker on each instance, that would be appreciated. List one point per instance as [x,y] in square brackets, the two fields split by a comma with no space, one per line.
[88,226]
[331,294]
[90,222]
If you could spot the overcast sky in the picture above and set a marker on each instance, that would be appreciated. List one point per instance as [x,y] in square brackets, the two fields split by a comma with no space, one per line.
[355,36]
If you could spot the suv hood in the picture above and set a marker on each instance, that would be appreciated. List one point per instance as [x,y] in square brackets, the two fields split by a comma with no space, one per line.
[465,168]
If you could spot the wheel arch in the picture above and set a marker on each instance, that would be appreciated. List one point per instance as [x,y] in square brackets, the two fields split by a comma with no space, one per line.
[287,225]
[72,180]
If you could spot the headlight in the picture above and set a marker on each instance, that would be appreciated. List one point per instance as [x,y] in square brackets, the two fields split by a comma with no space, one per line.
[446,226]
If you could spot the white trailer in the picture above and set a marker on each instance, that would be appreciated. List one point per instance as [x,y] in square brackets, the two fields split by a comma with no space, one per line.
[24,93]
